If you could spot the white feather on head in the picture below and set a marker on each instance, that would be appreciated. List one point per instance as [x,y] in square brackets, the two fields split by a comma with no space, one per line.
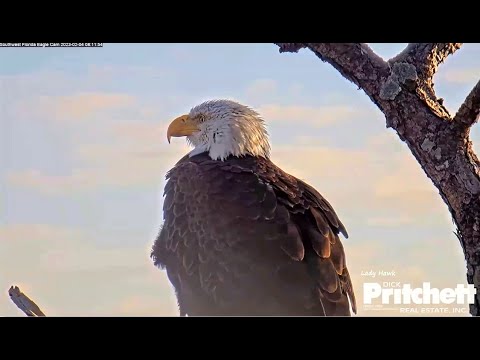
[226,127]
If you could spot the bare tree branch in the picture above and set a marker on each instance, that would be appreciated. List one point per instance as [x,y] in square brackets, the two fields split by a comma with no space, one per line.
[353,61]
[290,47]
[403,90]
[426,56]
[24,303]
[424,59]
[469,112]
[357,62]
[405,54]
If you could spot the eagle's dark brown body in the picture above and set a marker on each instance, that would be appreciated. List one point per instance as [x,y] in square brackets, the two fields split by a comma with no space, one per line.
[242,237]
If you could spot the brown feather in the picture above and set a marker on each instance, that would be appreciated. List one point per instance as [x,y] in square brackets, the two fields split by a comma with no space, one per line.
[320,221]
[320,243]
[325,274]
[349,290]
[188,262]
[292,243]
[229,226]
[338,257]
[334,296]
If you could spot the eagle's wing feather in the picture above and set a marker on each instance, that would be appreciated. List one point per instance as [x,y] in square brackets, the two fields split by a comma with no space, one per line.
[320,229]
[242,237]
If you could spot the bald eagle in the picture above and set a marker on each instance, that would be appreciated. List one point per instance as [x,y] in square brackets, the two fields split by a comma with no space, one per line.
[240,236]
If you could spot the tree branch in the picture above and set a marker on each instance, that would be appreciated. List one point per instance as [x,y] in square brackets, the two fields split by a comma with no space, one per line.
[426,56]
[468,113]
[290,47]
[355,61]
[404,93]
[24,303]
[424,59]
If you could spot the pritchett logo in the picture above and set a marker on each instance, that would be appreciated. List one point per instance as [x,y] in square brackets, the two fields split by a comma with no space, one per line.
[395,293]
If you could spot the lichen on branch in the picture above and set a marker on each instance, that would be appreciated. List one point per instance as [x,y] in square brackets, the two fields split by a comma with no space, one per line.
[402,73]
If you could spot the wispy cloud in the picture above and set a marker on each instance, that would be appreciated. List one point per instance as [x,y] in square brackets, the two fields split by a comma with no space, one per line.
[109,167]
[315,116]
[81,106]
[261,89]
[141,305]
[115,142]
[131,154]
[140,132]
[108,72]
[57,266]
[390,221]
[380,185]
[460,75]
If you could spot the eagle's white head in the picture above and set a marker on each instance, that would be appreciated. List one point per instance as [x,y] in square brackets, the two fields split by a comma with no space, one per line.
[223,128]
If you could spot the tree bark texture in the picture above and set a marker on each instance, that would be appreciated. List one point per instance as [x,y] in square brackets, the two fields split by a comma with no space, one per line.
[403,89]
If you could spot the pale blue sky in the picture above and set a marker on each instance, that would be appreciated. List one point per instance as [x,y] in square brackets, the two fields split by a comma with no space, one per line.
[83,156]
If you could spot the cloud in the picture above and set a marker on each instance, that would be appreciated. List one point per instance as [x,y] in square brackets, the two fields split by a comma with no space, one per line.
[122,142]
[40,83]
[130,154]
[51,184]
[390,221]
[379,185]
[109,72]
[181,53]
[82,106]
[138,305]
[95,93]
[460,75]
[68,273]
[296,89]
[310,161]
[146,132]
[315,116]
[261,89]
[85,104]
[109,167]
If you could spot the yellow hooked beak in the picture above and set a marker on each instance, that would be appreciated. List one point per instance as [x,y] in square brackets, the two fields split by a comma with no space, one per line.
[181,126]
